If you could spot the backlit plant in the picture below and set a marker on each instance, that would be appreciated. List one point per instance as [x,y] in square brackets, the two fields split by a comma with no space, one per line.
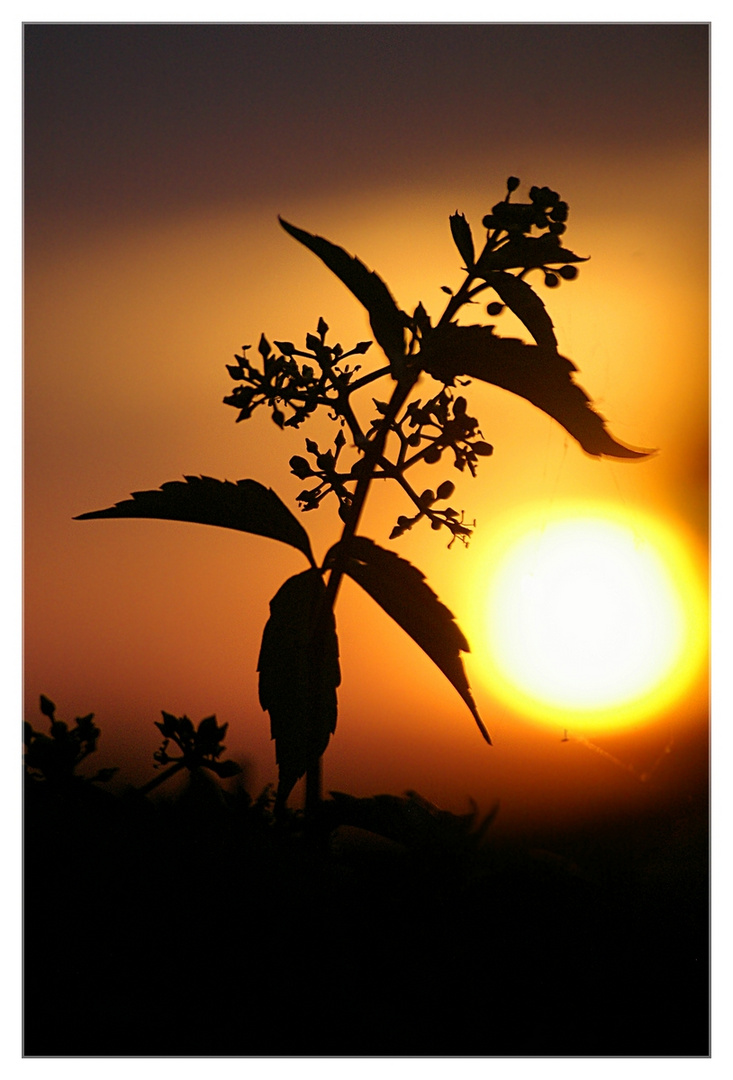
[299,657]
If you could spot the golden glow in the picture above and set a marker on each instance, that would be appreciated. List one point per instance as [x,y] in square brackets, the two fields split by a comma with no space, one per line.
[593,616]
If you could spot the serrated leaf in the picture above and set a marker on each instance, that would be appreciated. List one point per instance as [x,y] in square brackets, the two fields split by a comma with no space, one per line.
[527,252]
[536,373]
[401,591]
[526,305]
[386,319]
[461,233]
[245,505]
[299,672]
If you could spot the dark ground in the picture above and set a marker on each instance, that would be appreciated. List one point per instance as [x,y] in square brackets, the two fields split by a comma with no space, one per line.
[197,927]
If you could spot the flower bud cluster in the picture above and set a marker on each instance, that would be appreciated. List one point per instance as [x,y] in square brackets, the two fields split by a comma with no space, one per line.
[456,431]
[292,391]
[201,746]
[440,424]
[545,210]
[447,518]
[511,244]
[325,471]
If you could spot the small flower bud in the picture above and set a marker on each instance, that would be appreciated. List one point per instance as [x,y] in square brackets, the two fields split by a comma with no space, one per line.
[559,212]
[483,449]
[300,467]
[494,308]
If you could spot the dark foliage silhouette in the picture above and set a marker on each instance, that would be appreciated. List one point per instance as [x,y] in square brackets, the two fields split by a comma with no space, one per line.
[202,923]
[55,757]
[298,661]
[200,748]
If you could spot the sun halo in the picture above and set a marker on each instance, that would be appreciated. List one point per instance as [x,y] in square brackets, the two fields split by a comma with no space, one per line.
[593,617]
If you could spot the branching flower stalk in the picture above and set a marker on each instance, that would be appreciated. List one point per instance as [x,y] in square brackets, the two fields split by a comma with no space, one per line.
[299,657]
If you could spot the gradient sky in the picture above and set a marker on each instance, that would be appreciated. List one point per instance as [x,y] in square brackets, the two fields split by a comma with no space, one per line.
[156,161]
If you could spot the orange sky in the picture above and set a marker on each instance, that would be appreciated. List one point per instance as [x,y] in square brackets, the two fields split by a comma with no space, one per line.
[153,253]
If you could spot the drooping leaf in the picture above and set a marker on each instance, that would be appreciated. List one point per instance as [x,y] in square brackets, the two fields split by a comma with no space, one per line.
[536,373]
[526,252]
[410,820]
[386,319]
[526,305]
[400,589]
[463,239]
[245,505]
[299,672]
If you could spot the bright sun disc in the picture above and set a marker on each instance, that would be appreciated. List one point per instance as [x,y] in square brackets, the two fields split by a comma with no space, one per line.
[591,615]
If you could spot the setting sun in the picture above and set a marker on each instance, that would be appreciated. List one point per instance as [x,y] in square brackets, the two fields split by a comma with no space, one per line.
[591,615]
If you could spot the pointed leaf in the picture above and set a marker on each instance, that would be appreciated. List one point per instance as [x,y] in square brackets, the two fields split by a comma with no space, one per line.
[47,706]
[526,305]
[400,589]
[538,374]
[386,319]
[299,672]
[526,252]
[461,233]
[422,320]
[246,506]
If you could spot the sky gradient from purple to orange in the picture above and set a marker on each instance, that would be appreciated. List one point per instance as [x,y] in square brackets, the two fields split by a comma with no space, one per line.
[157,160]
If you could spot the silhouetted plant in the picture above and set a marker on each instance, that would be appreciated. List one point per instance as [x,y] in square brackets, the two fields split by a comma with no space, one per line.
[200,748]
[410,820]
[299,658]
[53,758]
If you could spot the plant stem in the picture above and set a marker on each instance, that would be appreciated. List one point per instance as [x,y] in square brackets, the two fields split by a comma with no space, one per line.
[372,455]
[313,788]
[161,778]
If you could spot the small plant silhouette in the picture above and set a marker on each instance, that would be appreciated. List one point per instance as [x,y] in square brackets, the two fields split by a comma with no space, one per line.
[299,658]
[53,758]
[200,748]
